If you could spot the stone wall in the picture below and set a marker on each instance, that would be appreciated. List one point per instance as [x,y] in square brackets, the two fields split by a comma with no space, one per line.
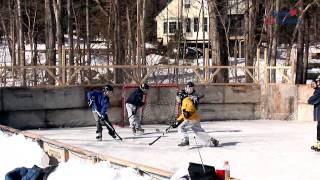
[288,102]
[25,108]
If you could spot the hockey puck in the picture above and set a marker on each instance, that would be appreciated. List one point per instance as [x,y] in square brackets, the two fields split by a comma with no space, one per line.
[157,130]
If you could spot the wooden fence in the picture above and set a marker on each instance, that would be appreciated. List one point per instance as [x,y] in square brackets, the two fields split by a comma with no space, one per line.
[65,75]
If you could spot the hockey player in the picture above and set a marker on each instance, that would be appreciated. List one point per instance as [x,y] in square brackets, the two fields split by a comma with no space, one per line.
[315,101]
[133,103]
[189,119]
[99,103]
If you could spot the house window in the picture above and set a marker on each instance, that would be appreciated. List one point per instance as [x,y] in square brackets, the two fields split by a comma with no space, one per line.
[188,25]
[187,3]
[165,27]
[172,27]
[196,24]
[205,24]
[179,26]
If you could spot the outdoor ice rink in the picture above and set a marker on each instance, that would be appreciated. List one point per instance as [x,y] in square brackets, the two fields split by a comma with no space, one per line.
[255,149]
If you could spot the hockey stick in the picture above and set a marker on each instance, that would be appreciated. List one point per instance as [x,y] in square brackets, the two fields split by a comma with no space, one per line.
[168,128]
[108,125]
[165,132]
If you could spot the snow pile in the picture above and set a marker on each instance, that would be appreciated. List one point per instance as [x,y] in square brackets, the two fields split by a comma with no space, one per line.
[17,151]
[75,169]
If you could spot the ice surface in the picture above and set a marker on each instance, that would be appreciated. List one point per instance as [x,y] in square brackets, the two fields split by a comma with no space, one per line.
[263,149]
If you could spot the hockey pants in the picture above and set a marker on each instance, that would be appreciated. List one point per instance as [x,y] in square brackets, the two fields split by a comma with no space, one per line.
[318,131]
[99,124]
[195,126]
[134,120]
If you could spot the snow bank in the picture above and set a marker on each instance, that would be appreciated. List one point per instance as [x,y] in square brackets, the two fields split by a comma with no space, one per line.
[75,169]
[17,151]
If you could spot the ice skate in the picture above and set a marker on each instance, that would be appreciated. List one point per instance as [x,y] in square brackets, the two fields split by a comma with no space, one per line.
[184,143]
[113,134]
[134,131]
[140,130]
[213,142]
[98,136]
[316,147]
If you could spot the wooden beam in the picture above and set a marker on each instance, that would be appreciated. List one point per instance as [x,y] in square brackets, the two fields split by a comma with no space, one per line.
[85,154]
[53,76]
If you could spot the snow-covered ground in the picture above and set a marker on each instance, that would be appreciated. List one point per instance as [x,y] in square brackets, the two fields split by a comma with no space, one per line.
[262,149]
[17,151]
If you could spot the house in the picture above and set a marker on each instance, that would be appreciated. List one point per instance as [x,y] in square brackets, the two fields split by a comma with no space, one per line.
[191,21]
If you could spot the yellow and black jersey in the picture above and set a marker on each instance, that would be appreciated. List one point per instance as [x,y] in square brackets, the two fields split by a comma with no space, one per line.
[188,106]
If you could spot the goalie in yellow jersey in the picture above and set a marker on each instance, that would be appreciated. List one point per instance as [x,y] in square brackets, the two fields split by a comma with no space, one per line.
[189,119]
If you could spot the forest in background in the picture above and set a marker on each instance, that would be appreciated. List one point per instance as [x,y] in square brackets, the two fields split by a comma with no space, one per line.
[125,26]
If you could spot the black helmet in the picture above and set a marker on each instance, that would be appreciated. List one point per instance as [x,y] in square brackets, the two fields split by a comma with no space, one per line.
[107,88]
[190,84]
[144,86]
[182,94]
[317,79]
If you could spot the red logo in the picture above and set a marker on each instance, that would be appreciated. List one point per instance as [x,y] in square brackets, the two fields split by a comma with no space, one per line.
[293,12]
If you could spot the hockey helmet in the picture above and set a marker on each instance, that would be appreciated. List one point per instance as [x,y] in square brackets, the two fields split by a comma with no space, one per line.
[189,88]
[144,87]
[317,79]
[190,84]
[181,95]
[107,89]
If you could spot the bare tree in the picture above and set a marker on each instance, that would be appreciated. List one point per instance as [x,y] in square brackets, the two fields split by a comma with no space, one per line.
[274,43]
[300,48]
[70,36]
[88,40]
[119,55]
[250,26]
[7,20]
[50,40]
[217,36]
[31,12]
[21,43]
[57,7]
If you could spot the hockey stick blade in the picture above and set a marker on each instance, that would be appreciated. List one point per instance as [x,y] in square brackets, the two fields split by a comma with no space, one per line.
[166,131]
[155,140]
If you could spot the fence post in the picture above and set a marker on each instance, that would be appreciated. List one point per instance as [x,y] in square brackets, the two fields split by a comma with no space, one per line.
[63,65]
[258,61]
[266,71]
[206,64]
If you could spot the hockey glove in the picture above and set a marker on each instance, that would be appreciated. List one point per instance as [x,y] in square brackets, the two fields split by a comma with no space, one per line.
[90,103]
[102,117]
[112,133]
[176,124]
[186,114]
[134,110]
[141,104]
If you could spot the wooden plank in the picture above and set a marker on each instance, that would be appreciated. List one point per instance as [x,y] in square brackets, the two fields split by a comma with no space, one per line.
[73,75]
[214,74]
[148,74]
[60,154]
[251,75]
[198,75]
[53,76]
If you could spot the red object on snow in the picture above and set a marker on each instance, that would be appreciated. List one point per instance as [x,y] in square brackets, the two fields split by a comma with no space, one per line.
[220,174]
